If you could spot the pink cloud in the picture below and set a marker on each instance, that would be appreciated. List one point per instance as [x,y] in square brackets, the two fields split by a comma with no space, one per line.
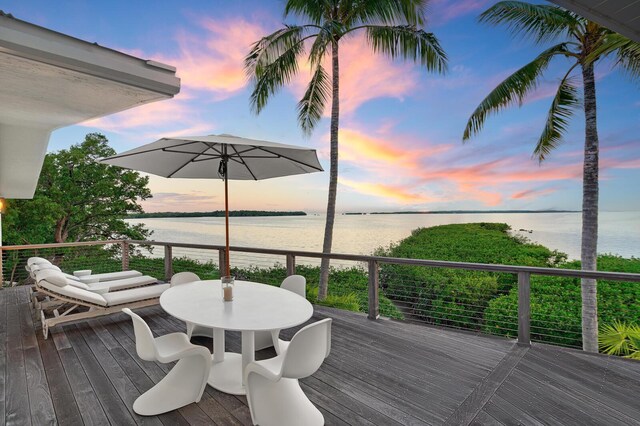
[173,116]
[214,61]
[442,11]
[364,76]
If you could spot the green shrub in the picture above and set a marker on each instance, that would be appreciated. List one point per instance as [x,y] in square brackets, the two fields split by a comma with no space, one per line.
[456,297]
[556,303]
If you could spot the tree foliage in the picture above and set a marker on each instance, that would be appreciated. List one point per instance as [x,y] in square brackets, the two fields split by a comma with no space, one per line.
[78,199]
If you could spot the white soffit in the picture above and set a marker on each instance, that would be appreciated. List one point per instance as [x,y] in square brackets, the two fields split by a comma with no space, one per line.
[49,80]
[621,16]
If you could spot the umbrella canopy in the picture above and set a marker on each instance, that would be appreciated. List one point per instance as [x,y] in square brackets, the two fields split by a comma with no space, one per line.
[218,157]
[200,157]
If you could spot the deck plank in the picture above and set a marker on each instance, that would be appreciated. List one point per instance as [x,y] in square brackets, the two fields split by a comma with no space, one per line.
[40,404]
[113,406]
[3,353]
[17,408]
[64,402]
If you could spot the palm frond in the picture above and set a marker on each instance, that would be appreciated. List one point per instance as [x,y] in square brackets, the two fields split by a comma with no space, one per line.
[272,63]
[615,339]
[408,42]
[512,90]
[383,12]
[320,45]
[628,57]
[312,104]
[562,108]
[540,22]
[315,11]
[269,48]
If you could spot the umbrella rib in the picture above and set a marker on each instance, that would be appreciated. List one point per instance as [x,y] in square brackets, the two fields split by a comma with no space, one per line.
[114,157]
[190,152]
[190,161]
[243,162]
[292,159]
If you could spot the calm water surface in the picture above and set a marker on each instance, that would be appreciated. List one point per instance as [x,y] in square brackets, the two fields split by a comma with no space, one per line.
[361,234]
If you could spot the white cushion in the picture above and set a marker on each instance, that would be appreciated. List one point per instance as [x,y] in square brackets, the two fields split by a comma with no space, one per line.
[78,284]
[42,266]
[73,292]
[126,283]
[135,294]
[82,272]
[51,275]
[34,260]
[111,276]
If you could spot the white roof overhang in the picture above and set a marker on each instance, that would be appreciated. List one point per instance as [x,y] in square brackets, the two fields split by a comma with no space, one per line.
[50,80]
[620,16]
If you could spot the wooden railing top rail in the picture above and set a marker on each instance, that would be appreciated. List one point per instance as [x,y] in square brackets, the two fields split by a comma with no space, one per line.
[60,245]
[573,273]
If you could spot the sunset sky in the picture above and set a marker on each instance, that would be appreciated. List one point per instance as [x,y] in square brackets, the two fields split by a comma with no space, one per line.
[401,128]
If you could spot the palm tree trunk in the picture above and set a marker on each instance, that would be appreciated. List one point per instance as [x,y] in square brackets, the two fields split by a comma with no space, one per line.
[590,214]
[333,174]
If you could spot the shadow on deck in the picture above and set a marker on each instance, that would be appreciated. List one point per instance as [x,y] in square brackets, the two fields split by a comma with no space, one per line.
[383,372]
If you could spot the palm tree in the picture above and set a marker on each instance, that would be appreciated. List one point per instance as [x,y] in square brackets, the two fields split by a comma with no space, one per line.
[583,43]
[392,27]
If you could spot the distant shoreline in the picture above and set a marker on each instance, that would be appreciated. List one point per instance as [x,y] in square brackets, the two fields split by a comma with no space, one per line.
[468,212]
[216,213]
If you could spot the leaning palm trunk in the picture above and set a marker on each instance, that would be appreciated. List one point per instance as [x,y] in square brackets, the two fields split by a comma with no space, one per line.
[590,214]
[333,174]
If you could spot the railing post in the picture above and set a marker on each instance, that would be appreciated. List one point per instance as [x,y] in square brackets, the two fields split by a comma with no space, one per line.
[374,302]
[291,264]
[125,255]
[168,263]
[222,263]
[524,308]
[1,265]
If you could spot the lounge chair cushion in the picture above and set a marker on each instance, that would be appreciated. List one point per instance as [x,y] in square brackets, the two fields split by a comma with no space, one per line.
[135,294]
[42,266]
[109,276]
[35,260]
[126,283]
[54,277]
[72,292]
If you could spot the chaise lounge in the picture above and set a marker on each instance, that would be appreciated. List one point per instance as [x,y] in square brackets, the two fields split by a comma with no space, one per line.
[98,301]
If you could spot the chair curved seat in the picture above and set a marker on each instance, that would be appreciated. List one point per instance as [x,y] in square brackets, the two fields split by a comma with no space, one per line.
[273,392]
[186,381]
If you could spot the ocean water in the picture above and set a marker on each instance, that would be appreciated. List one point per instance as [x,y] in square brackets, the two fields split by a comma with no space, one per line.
[361,234]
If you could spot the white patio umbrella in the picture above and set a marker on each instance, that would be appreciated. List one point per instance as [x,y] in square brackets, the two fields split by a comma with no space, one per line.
[218,156]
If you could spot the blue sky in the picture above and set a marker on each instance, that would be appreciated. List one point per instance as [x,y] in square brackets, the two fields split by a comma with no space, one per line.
[401,132]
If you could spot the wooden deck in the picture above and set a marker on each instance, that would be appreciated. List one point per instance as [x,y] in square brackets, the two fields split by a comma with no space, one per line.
[383,372]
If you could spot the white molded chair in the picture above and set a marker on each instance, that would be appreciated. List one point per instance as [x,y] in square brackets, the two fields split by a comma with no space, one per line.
[192,330]
[185,382]
[273,392]
[265,339]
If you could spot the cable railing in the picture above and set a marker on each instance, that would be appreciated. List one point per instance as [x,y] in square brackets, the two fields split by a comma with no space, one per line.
[522,302]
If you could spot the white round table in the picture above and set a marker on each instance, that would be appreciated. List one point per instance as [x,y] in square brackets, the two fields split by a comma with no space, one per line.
[255,307]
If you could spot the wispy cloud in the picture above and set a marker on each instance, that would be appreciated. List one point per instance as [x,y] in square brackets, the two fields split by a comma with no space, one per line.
[532,193]
[396,193]
[184,202]
[364,76]
[212,58]
[443,11]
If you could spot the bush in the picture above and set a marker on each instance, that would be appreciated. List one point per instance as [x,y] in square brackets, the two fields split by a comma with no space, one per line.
[556,303]
[456,297]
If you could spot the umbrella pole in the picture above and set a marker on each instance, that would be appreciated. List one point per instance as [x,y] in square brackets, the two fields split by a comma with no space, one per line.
[226,217]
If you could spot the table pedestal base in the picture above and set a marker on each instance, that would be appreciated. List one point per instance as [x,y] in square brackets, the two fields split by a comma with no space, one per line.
[226,376]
